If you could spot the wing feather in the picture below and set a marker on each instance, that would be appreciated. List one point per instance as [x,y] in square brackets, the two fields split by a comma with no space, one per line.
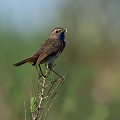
[51,46]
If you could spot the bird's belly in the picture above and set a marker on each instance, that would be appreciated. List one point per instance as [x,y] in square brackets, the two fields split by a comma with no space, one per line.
[51,58]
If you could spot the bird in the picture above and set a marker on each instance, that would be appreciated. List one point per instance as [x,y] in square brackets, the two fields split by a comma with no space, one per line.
[49,51]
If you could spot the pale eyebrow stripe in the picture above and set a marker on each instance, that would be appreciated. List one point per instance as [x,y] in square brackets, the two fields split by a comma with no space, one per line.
[56,30]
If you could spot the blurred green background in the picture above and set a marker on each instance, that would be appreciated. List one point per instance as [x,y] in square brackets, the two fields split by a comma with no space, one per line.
[91,57]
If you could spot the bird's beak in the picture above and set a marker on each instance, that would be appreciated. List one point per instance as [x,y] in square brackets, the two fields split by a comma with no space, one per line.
[65,30]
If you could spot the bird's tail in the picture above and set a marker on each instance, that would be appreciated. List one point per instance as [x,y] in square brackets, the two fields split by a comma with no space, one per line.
[23,62]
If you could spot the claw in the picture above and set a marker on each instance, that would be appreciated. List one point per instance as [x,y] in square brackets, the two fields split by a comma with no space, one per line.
[44,76]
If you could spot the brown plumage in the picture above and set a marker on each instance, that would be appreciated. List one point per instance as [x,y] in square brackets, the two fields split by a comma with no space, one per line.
[49,50]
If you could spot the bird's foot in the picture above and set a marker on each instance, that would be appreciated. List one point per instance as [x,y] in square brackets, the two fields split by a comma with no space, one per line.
[44,76]
[62,78]
[41,75]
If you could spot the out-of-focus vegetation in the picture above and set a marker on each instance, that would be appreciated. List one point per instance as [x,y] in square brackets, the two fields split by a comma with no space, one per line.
[91,59]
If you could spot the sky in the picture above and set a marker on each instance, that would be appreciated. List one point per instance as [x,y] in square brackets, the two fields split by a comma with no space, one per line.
[24,13]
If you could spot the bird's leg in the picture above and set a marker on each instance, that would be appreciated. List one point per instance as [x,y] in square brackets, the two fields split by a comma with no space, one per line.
[55,72]
[41,71]
[61,77]
[50,66]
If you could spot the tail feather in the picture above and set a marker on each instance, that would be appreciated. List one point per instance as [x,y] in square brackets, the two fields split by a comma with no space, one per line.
[23,62]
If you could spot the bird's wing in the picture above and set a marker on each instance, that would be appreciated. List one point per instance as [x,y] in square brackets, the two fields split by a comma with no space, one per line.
[51,46]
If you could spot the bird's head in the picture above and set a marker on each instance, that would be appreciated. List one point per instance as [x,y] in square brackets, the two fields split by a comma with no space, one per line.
[58,33]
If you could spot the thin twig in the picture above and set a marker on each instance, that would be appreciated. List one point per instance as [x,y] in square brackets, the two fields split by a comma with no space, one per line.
[48,108]
[25,111]
[47,89]
[42,92]
[53,83]
[49,100]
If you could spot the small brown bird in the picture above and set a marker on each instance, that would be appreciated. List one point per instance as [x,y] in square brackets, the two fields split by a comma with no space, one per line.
[49,51]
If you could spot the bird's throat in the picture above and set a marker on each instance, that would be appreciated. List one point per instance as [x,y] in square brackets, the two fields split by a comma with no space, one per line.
[61,37]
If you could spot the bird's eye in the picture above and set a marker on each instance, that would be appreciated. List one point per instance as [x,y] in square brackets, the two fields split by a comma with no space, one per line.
[56,31]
